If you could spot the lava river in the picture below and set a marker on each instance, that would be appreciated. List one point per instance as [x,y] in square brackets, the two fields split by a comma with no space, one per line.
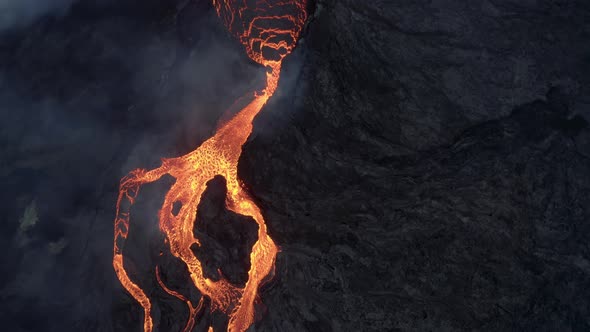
[269,31]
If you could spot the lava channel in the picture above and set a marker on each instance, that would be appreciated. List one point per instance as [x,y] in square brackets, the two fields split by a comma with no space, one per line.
[269,31]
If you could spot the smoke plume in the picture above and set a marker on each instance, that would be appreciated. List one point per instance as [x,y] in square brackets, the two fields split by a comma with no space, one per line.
[18,13]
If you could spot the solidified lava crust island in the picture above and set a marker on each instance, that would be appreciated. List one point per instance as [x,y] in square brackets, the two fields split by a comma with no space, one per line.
[269,31]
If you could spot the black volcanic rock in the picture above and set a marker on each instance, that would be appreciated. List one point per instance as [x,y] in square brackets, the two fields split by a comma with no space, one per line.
[226,238]
[423,168]
[424,165]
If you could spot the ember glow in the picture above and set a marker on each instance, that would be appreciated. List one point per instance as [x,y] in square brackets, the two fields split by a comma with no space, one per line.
[269,30]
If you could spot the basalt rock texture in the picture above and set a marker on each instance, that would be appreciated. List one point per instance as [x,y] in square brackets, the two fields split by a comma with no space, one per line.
[424,165]
[432,173]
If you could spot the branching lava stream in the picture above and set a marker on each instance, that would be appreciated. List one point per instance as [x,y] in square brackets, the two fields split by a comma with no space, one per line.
[269,30]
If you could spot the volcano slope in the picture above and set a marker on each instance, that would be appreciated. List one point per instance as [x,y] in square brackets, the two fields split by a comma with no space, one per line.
[423,165]
[431,159]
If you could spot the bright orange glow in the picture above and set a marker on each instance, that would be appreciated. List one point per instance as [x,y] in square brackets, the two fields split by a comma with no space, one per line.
[269,31]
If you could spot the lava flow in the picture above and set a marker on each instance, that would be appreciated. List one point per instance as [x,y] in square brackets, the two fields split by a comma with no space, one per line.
[269,30]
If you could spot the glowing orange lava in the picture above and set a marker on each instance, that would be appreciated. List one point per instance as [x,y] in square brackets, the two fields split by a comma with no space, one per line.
[269,31]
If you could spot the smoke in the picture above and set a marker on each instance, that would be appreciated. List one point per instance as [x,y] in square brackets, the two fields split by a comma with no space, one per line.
[106,87]
[110,87]
[18,13]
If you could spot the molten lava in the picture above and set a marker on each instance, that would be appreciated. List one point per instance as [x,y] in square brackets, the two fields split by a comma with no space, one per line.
[269,30]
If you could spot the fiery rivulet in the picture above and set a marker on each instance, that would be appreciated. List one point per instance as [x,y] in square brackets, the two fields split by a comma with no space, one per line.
[269,30]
